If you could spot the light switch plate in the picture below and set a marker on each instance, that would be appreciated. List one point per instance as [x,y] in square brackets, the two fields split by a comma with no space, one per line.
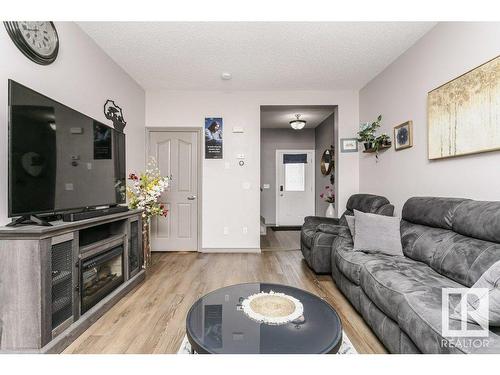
[246,185]
[238,129]
[266,186]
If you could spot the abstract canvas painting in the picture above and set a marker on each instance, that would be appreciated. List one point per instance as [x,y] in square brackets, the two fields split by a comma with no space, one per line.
[464,114]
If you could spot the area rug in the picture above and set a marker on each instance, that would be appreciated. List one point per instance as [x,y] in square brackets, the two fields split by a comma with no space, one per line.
[345,348]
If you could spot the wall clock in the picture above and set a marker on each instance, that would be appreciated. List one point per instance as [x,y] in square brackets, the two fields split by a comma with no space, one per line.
[37,40]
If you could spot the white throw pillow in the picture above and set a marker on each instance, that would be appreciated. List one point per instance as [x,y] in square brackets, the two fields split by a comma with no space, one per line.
[377,234]
[489,283]
[351,223]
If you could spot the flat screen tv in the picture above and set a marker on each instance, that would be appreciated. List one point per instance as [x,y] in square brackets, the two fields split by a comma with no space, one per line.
[59,158]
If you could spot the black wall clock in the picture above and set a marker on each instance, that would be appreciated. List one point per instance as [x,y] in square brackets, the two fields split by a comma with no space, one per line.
[38,40]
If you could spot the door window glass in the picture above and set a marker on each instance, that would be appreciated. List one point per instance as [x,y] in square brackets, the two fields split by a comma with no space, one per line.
[295,177]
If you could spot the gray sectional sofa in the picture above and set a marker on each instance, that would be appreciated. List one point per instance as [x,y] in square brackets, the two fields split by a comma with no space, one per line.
[447,243]
[318,233]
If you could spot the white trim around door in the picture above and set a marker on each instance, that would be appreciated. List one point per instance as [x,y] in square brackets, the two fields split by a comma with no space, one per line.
[197,133]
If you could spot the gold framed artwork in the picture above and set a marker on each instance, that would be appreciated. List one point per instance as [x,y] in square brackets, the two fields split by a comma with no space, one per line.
[403,136]
[463,115]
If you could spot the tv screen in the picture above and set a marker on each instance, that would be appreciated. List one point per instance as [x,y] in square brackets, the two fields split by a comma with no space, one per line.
[60,159]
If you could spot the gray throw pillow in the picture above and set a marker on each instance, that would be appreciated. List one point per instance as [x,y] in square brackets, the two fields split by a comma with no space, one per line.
[489,282]
[351,224]
[377,234]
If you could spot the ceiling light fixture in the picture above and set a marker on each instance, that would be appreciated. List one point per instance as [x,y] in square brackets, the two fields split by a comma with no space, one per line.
[297,124]
[226,76]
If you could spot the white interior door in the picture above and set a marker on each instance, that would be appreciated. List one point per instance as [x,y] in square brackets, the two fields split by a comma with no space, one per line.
[294,186]
[177,155]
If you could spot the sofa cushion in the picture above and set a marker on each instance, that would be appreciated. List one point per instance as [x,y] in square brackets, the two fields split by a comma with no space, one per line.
[386,329]
[420,316]
[431,211]
[479,220]
[387,281]
[487,292]
[351,262]
[365,203]
[463,259]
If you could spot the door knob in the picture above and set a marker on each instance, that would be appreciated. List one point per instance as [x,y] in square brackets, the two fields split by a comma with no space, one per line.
[192,197]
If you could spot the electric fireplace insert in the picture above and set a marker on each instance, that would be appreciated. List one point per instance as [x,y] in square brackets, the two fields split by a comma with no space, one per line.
[99,276]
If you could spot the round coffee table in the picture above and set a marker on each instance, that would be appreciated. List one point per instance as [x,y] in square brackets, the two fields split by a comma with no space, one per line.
[217,324]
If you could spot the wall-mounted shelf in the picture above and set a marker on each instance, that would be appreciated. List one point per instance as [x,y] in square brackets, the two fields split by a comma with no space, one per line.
[381,148]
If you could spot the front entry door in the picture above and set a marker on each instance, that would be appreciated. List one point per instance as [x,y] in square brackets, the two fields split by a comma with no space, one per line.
[295,186]
[177,155]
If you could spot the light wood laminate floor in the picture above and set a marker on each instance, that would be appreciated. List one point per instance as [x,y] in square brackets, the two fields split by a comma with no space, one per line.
[280,240]
[151,318]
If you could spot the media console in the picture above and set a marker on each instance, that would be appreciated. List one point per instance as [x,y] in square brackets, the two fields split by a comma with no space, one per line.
[55,281]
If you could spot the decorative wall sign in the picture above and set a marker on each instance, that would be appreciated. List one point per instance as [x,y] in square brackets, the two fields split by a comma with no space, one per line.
[213,138]
[403,136]
[464,114]
[348,145]
[115,114]
[37,40]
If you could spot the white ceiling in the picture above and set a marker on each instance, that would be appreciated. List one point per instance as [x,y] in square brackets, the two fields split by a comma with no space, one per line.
[279,116]
[260,55]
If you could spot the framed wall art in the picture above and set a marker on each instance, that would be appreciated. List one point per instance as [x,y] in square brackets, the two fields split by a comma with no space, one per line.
[403,136]
[348,145]
[464,114]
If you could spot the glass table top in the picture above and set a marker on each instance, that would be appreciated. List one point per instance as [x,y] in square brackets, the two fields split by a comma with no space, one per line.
[216,323]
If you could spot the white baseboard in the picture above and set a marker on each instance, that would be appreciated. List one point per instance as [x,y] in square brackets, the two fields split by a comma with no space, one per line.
[231,250]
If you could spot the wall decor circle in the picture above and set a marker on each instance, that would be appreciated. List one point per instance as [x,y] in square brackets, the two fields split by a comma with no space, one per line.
[272,308]
[37,40]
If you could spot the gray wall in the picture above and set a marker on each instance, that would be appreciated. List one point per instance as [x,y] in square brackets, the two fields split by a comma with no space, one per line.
[399,93]
[272,140]
[324,138]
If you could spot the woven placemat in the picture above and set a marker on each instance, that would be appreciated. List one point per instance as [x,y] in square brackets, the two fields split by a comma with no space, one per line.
[272,308]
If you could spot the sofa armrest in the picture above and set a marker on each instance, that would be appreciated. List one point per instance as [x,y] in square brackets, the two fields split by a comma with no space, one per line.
[313,221]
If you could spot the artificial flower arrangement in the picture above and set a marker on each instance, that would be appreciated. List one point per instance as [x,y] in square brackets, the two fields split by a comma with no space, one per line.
[328,195]
[144,193]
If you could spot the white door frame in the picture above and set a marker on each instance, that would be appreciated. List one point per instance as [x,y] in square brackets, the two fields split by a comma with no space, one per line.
[198,130]
[277,192]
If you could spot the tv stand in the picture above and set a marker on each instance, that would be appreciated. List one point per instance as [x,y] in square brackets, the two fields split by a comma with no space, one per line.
[29,220]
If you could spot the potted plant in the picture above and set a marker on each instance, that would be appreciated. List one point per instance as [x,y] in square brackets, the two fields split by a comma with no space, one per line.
[366,133]
[328,195]
[144,193]
[384,140]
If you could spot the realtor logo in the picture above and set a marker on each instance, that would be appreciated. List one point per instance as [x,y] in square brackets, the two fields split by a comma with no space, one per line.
[473,307]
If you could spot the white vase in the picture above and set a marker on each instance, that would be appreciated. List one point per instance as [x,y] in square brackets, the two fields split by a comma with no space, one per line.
[330,212]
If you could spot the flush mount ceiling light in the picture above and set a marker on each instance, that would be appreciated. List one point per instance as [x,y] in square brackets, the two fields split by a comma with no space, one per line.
[226,76]
[297,124]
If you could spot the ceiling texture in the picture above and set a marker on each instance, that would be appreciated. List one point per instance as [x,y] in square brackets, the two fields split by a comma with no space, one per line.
[259,55]
[279,116]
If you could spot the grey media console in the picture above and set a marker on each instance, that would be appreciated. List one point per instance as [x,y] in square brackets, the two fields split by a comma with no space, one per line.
[56,281]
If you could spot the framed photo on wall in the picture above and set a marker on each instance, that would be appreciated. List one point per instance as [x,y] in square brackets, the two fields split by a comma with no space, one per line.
[403,136]
[213,138]
[348,145]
